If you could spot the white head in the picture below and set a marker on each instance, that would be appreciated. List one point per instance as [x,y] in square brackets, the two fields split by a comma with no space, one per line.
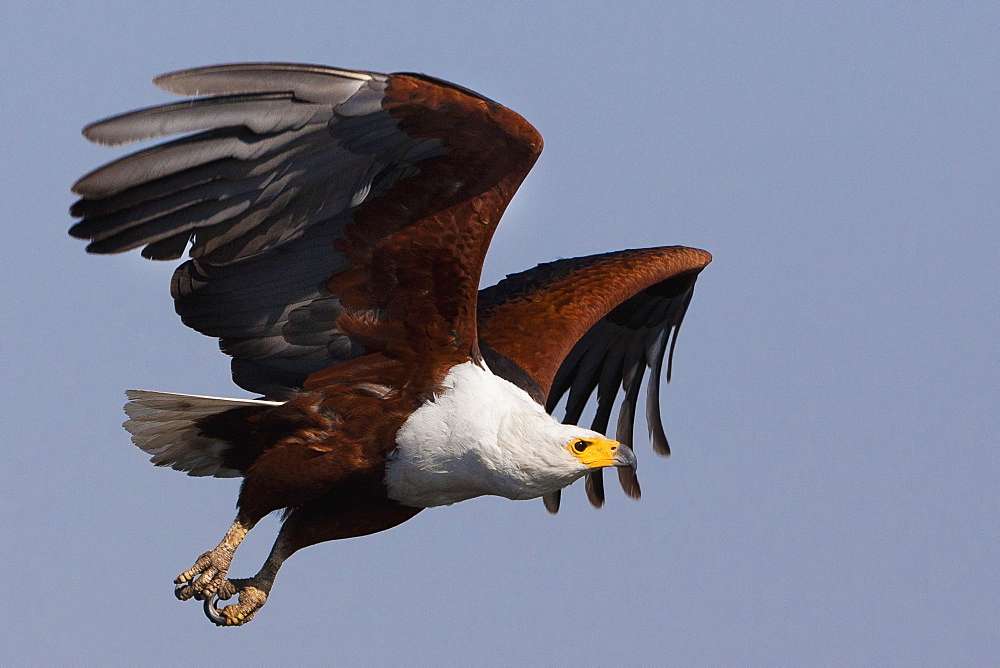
[484,435]
[551,455]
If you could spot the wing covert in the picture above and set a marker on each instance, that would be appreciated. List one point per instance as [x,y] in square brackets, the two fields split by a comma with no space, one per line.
[593,323]
[307,193]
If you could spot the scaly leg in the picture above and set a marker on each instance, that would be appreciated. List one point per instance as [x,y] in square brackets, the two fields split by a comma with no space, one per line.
[209,572]
[252,591]
[306,525]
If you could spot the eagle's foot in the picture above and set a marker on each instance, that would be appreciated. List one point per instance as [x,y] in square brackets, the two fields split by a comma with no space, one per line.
[251,600]
[208,574]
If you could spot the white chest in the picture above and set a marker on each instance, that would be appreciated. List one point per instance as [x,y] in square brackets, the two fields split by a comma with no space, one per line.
[479,437]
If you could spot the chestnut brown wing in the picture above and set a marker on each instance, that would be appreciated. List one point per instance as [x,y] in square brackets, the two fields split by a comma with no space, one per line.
[311,197]
[592,323]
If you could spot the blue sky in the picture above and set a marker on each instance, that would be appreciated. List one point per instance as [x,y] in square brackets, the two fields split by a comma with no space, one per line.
[832,497]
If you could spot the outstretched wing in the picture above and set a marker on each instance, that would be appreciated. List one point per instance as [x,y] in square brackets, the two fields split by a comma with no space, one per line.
[589,323]
[327,211]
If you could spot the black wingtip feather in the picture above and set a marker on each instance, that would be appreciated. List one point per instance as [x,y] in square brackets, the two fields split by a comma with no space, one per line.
[629,482]
[551,501]
[171,248]
[595,488]
[677,330]
[660,444]
[670,355]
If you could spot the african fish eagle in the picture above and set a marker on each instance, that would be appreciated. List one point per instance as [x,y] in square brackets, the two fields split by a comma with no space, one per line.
[337,222]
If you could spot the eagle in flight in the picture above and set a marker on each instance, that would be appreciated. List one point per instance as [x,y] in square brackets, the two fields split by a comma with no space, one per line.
[337,222]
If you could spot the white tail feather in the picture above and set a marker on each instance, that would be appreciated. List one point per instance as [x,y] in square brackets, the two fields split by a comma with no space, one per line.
[164,424]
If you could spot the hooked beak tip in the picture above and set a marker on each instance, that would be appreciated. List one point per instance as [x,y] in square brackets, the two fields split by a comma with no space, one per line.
[624,456]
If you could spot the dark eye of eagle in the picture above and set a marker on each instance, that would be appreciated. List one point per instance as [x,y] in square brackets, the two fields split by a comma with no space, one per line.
[580,446]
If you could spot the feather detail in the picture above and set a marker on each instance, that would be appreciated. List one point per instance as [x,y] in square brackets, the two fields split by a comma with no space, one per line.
[166,426]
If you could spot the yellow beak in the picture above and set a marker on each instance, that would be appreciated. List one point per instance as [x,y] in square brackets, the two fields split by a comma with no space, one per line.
[605,452]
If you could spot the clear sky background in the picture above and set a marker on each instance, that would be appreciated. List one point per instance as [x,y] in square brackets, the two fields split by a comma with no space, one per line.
[832,497]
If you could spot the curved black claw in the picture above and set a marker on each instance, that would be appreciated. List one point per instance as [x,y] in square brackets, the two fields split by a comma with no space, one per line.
[182,591]
[213,612]
[251,600]
[225,592]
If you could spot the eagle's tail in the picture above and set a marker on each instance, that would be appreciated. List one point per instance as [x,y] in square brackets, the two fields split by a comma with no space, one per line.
[171,428]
